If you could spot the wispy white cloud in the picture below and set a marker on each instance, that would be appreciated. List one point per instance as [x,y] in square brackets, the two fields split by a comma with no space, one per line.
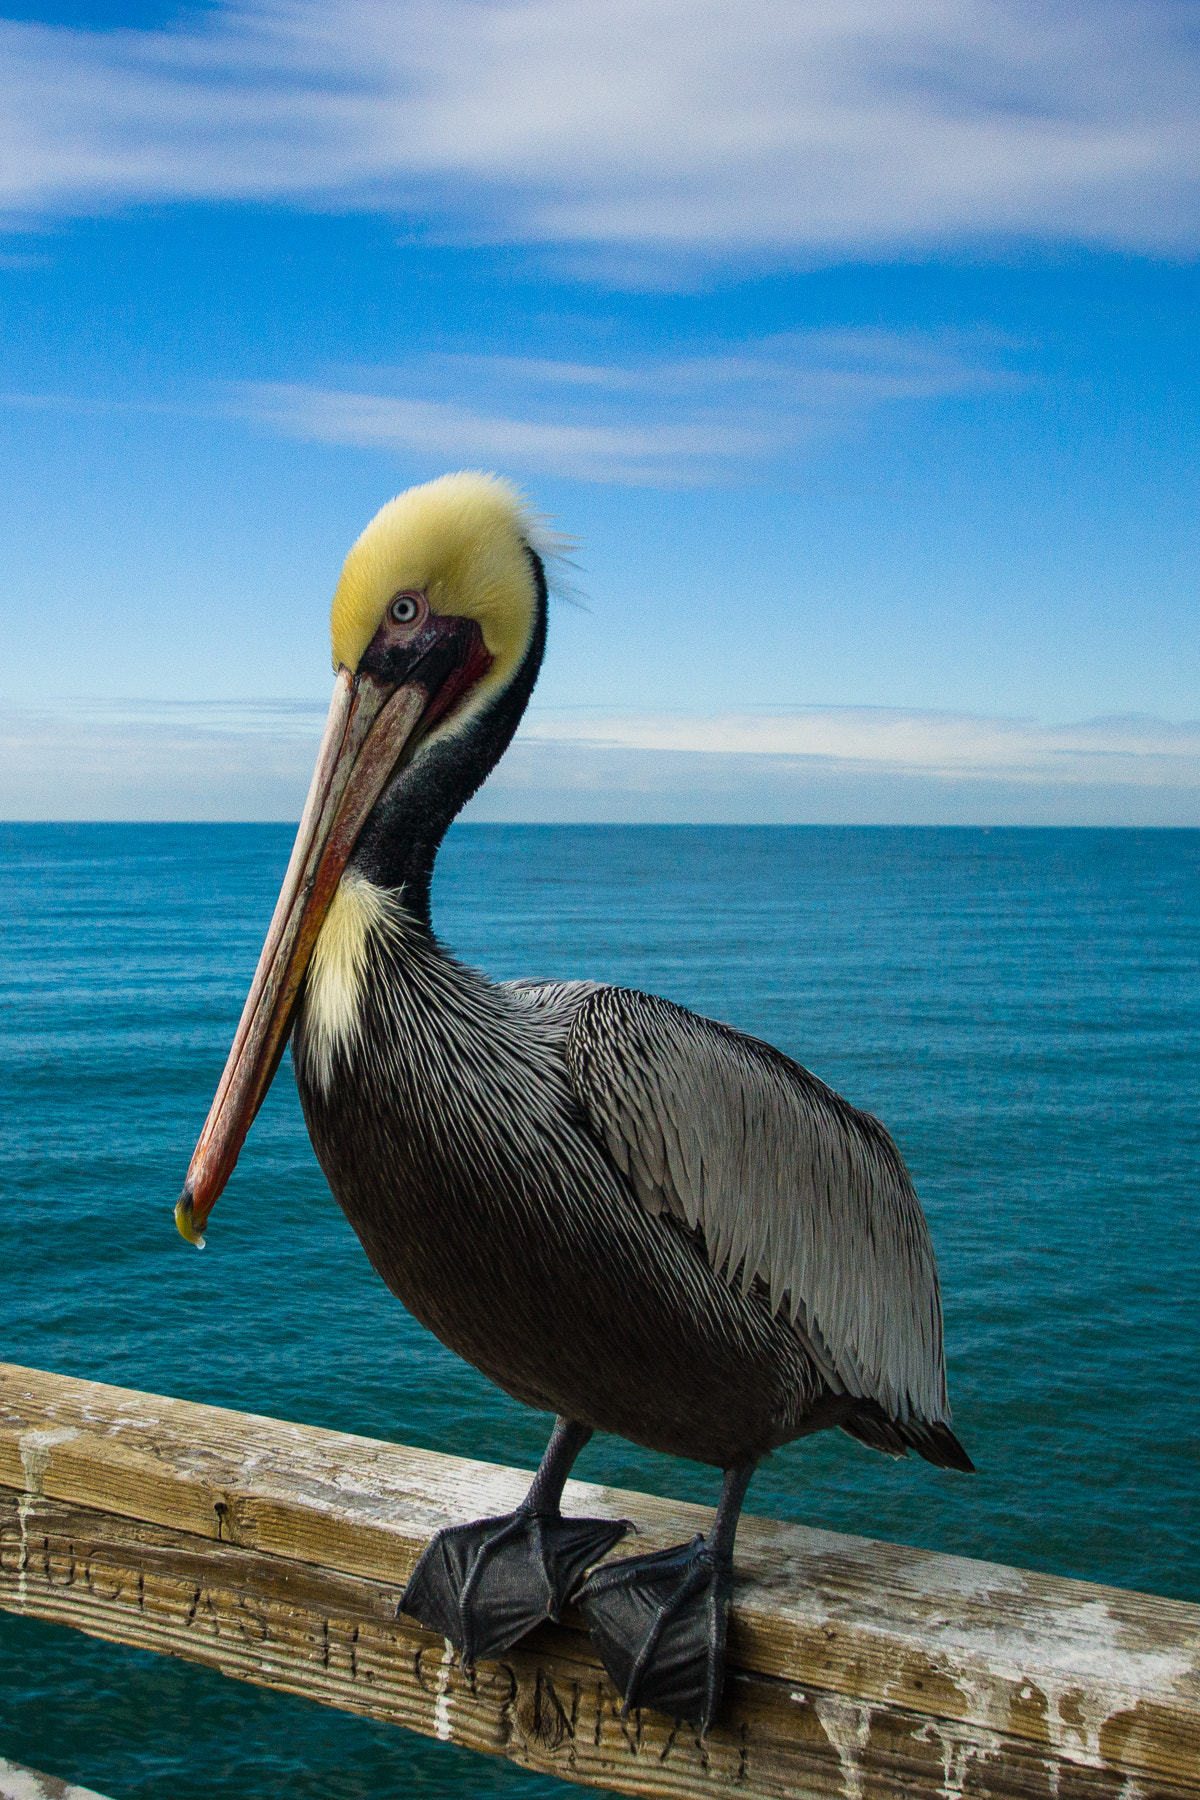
[601,452]
[692,420]
[809,369]
[696,419]
[253,760]
[695,124]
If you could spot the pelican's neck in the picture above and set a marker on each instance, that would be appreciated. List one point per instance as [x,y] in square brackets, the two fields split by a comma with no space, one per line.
[382,996]
[399,843]
[369,930]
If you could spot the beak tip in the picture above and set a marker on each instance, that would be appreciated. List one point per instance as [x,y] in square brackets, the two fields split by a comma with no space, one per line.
[184,1222]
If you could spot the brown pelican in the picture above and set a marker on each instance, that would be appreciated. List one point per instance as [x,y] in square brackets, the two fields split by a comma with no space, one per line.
[626,1215]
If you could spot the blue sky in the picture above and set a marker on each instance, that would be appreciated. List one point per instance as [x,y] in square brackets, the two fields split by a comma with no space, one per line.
[857,346]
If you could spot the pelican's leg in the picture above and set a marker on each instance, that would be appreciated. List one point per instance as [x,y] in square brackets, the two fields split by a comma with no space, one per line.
[486,1584]
[659,1621]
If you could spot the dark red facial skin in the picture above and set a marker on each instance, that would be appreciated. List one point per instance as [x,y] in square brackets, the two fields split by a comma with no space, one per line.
[445,656]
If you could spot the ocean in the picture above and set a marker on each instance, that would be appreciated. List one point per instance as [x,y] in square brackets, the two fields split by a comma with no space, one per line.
[1021,1008]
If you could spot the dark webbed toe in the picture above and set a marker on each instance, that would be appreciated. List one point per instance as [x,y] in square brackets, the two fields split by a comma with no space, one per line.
[658,1623]
[486,1584]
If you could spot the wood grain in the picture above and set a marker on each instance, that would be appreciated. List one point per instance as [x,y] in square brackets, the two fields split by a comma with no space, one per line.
[277,1552]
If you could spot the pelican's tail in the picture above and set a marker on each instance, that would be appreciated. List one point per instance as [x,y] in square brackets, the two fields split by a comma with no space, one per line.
[936,1443]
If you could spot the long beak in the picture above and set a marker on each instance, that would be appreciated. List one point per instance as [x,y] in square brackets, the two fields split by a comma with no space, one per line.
[365,734]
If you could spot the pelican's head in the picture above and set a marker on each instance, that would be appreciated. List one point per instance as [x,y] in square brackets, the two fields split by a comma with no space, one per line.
[459,550]
[437,629]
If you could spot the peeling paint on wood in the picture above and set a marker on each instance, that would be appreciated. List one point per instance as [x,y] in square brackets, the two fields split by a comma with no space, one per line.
[858,1670]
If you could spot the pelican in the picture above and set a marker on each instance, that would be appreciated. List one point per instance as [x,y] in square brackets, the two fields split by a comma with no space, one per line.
[626,1215]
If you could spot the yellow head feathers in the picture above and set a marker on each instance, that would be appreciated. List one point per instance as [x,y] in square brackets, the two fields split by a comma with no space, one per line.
[460,540]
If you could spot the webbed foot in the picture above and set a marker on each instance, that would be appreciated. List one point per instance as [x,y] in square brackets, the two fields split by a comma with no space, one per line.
[486,1584]
[658,1623]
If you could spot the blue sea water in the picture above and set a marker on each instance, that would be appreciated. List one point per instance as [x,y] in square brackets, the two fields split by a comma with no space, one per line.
[1022,1008]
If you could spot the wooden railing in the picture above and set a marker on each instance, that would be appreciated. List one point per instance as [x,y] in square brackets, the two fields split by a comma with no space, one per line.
[17,1782]
[276,1553]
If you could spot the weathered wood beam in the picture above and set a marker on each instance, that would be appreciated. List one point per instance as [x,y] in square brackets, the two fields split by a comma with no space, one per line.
[19,1783]
[276,1553]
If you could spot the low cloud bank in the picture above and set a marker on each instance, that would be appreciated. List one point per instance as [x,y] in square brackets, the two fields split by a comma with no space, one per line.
[821,766]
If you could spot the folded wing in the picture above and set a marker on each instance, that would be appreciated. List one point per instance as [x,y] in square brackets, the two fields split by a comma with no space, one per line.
[785,1180]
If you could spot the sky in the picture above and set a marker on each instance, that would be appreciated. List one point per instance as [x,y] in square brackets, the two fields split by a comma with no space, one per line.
[856,347]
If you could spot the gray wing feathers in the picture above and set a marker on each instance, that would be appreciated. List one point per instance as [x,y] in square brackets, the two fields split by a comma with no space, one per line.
[786,1181]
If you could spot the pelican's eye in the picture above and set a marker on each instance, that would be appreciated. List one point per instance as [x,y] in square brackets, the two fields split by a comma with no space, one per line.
[404,608]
